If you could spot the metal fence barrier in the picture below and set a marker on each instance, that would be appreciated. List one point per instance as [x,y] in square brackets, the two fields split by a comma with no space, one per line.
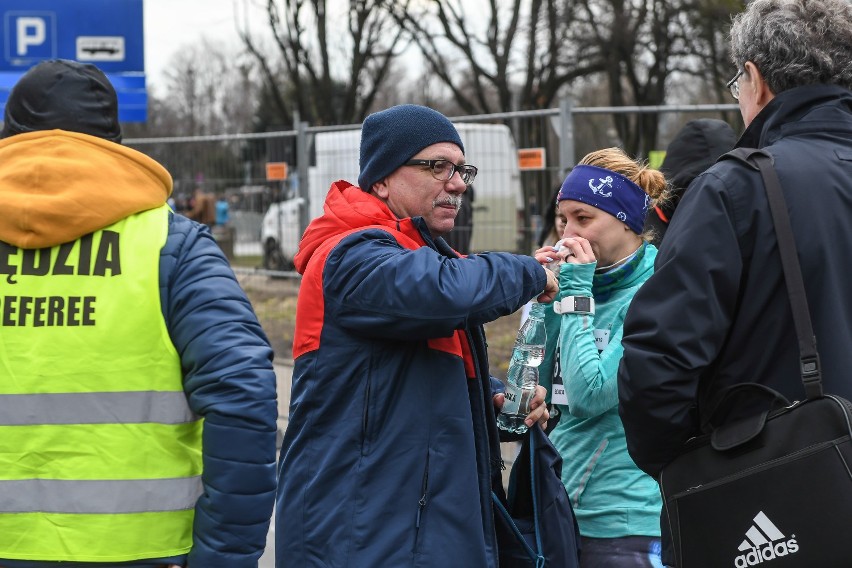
[273,183]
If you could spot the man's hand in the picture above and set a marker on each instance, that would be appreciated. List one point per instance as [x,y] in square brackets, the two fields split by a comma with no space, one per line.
[551,289]
[538,409]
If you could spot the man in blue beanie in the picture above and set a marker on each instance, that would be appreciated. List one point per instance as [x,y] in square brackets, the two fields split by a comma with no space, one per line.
[392,447]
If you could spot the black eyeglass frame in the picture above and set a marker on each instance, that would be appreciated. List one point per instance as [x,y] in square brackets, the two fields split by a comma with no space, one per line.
[467,172]
[734,86]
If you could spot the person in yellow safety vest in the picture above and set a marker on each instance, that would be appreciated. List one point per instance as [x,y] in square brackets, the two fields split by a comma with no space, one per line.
[137,396]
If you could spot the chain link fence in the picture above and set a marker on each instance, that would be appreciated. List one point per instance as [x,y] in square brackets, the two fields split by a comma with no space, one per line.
[273,183]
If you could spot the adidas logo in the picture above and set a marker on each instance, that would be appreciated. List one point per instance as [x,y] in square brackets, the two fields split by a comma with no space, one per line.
[764,542]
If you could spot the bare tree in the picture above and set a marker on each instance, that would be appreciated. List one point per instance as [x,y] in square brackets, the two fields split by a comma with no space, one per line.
[642,41]
[527,53]
[210,89]
[519,58]
[710,21]
[309,48]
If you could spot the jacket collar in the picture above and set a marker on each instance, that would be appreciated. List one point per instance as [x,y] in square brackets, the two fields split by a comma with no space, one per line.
[808,107]
[627,275]
[347,208]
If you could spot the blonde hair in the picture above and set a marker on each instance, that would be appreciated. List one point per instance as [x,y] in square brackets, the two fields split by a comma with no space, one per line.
[652,181]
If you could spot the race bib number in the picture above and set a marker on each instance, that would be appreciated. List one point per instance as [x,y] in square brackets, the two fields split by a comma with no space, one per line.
[557,393]
[601,339]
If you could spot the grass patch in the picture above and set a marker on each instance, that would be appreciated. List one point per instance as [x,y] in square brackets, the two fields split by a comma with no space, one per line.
[247,261]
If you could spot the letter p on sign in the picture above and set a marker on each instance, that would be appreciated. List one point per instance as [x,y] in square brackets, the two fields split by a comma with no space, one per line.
[31,32]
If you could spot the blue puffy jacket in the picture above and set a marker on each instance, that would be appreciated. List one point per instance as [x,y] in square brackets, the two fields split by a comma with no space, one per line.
[229,380]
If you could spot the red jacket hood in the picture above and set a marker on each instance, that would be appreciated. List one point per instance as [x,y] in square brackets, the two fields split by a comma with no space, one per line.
[348,208]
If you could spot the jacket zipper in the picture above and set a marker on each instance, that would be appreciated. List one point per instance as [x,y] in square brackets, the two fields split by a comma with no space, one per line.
[421,503]
[804,452]
[424,488]
[365,418]
[484,388]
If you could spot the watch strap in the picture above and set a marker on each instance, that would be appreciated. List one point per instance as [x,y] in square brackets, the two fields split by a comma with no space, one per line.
[575,305]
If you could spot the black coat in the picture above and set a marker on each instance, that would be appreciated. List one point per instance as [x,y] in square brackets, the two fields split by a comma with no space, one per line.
[716,310]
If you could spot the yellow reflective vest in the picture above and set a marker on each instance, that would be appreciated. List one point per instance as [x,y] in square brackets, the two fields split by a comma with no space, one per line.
[100,455]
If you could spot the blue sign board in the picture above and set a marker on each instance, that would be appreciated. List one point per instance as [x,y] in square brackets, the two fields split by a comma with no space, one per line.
[105,33]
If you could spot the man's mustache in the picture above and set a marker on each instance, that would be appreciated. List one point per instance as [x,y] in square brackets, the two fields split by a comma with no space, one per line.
[454,200]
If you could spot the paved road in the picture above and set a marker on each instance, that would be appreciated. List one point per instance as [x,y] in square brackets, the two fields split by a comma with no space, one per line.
[268,558]
[284,372]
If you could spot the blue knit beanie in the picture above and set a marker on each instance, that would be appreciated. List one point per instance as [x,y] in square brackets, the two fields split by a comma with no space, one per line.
[391,137]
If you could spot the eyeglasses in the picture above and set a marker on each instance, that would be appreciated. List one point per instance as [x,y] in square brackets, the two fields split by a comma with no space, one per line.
[443,170]
[734,85]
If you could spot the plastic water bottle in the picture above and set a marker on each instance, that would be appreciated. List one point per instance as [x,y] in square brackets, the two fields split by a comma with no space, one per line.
[522,377]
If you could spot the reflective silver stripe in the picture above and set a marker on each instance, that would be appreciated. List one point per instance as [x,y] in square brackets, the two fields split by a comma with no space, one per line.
[98,497]
[95,408]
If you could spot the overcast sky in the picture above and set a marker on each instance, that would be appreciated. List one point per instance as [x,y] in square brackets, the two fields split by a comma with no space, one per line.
[172,24]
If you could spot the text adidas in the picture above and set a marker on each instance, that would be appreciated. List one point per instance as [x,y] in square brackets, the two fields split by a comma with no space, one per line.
[769,552]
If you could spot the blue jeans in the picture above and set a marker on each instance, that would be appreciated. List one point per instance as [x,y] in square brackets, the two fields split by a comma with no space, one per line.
[625,552]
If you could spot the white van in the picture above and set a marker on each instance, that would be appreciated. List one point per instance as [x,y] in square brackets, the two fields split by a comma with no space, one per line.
[497,206]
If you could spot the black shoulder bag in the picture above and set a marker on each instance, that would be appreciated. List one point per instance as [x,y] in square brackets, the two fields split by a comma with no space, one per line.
[536,527]
[775,489]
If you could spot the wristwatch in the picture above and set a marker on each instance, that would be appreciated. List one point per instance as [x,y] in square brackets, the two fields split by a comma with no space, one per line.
[575,305]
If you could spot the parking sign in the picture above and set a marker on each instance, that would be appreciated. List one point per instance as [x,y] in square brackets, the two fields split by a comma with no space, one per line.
[30,36]
[106,33]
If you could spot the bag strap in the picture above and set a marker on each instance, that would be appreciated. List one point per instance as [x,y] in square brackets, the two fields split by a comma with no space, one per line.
[537,555]
[808,356]
[501,509]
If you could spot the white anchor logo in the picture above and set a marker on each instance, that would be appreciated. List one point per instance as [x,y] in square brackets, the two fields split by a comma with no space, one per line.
[622,216]
[607,181]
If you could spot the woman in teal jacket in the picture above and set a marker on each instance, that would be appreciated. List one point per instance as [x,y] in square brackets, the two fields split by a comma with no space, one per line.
[604,261]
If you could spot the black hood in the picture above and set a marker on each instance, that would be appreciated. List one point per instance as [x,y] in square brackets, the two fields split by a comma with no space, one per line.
[693,150]
[66,95]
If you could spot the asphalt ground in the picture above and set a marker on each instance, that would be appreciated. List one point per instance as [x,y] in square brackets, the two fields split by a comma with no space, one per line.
[284,374]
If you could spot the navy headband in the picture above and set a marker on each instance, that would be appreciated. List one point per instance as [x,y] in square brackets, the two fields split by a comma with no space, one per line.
[608,191]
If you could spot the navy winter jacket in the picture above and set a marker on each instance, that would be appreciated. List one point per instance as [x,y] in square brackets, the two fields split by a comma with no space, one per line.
[392,448]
